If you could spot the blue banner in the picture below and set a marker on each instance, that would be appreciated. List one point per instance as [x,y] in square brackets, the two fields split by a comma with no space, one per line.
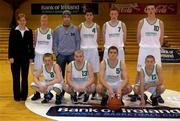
[170,55]
[93,111]
[58,8]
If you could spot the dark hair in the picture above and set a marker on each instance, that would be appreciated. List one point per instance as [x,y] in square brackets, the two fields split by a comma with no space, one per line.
[114,9]
[113,48]
[89,10]
[150,56]
[48,55]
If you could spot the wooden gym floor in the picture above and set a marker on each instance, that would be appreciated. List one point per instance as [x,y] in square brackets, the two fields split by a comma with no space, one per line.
[11,110]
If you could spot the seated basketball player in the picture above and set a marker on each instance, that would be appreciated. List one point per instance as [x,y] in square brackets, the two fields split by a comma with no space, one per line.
[113,77]
[52,79]
[151,79]
[79,77]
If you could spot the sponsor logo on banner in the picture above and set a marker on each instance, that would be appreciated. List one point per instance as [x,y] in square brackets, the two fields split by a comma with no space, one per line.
[139,8]
[170,55]
[140,112]
[58,8]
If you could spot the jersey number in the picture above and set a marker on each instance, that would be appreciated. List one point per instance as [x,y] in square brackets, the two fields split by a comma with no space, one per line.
[94,30]
[154,77]
[156,28]
[84,73]
[119,29]
[51,74]
[117,70]
[48,36]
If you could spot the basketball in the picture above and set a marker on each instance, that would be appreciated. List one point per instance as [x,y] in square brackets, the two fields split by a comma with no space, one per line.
[114,104]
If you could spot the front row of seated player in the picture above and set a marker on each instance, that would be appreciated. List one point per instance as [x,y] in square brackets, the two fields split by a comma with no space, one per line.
[113,79]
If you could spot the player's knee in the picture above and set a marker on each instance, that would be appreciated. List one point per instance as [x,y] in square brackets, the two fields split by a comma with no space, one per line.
[99,89]
[136,89]
[57,90]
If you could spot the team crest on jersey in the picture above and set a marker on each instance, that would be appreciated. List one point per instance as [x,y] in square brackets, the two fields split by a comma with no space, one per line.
[48,36]
[84,73]
[51,74]
[154,77]
[117,70]
[156,28]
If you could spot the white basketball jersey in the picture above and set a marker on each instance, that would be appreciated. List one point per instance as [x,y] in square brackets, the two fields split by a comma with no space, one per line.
[48,76]
[151,77]
[88,36]
[113,74]
[79,75]
[150,34]
[114,35]
[44,42]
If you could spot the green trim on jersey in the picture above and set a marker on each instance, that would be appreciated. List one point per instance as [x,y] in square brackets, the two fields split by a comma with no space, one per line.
[150,23]
[114,25]
[89,26]
[151,71]
[110,65]
[43,32]
[81,67]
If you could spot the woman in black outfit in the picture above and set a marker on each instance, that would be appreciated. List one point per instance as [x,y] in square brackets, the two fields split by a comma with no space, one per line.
[20,54]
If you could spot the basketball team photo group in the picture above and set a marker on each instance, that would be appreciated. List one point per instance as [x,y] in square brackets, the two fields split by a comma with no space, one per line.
[79,65]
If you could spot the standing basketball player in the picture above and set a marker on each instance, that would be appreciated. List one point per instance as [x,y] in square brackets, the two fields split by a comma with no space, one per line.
[43,44]
[80,77]
[151,79]
[53,79]
[114,34]
[89,33]
[113,77]
[150,34]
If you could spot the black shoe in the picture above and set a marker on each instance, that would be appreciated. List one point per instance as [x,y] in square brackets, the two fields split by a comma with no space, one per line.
[58,99]
[104,100]
[62,93]
[154,101]
[160,99]
[93,96]
[17,99]
[74,98]
[145,98]
[86,98]
[80,95]
[47,97]
[36,96]
[134,98]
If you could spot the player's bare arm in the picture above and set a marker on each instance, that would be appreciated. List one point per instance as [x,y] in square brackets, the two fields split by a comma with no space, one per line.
[139,30]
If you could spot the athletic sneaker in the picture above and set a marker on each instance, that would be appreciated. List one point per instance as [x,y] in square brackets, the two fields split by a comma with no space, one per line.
[74,98]
[36,96]
[58,99]
[154,101]
[47,97]
[86,98]
[94,96]
[160,99]
[104,100]
[80,95]
[134,98]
